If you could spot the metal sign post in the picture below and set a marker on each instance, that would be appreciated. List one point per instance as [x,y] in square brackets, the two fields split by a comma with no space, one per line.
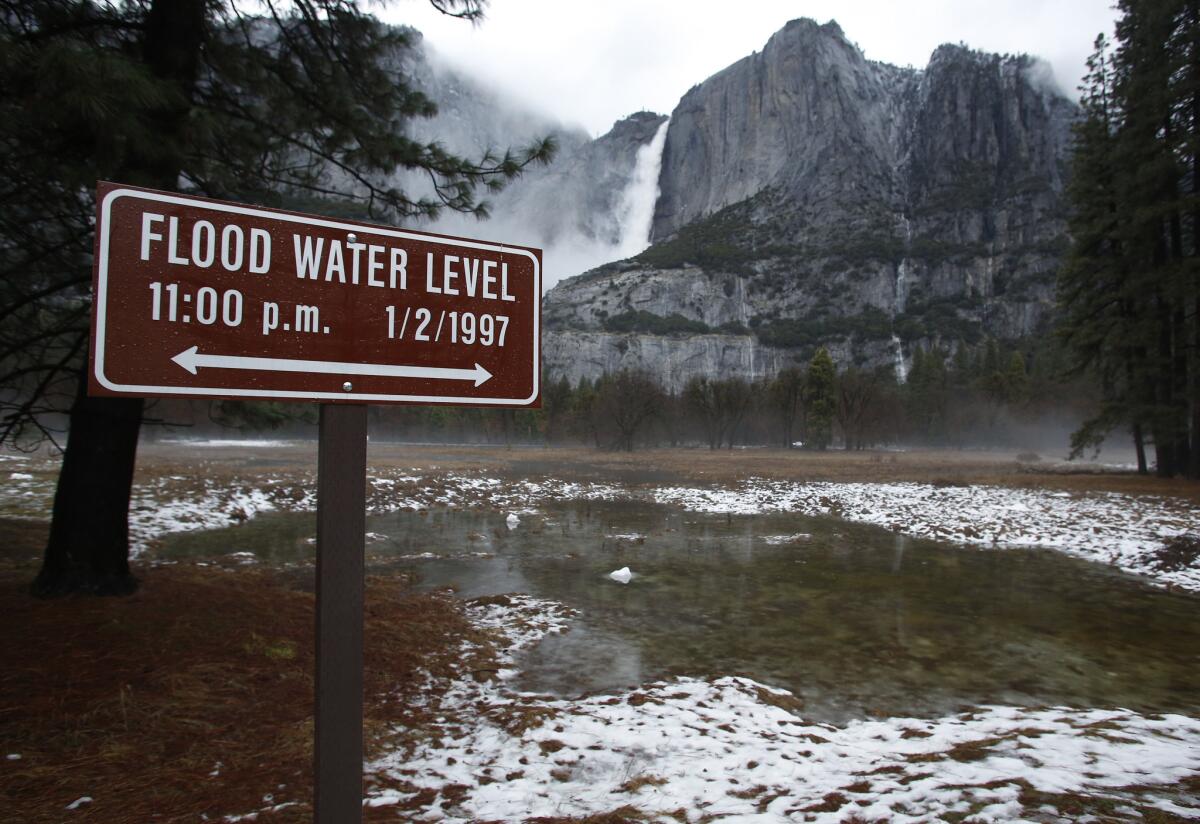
[341,525]
[200,298]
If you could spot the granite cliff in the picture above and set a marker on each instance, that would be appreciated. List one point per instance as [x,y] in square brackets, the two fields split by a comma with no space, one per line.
[810,196]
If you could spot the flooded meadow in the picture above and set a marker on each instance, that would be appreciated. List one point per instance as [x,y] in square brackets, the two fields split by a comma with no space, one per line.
[768,644]
[854,620]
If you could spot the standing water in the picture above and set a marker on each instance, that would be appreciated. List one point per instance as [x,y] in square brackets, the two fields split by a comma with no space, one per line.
[855,620]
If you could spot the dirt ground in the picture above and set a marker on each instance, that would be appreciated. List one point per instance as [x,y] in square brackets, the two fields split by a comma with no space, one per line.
[194,696]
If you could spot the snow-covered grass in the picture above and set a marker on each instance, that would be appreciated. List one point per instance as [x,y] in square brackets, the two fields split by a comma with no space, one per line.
[1108,527]
[389,492]
[731,748]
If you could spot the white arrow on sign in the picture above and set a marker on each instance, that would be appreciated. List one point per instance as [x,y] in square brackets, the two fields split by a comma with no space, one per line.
[190,359]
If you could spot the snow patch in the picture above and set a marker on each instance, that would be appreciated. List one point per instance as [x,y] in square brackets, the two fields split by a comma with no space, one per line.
[622,575]
[1108,527]
[735,748]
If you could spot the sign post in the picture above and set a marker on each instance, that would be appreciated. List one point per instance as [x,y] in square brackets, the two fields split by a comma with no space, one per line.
[341,524]
[198,298]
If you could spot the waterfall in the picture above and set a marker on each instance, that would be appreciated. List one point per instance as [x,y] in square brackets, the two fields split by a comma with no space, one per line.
[901,366]
[900,300]
[636,211]
[901,297]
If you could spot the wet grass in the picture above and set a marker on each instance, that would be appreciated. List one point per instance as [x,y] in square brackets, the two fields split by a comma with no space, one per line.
[1178,553]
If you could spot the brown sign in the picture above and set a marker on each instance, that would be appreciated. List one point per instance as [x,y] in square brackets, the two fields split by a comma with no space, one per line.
[203,298]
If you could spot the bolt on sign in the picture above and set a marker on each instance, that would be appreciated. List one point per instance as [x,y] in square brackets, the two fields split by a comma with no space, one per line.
[204,298]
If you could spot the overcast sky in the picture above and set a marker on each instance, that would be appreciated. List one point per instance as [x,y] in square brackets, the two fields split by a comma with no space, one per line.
[592,62]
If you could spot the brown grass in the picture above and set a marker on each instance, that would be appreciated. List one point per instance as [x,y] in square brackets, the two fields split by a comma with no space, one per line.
[696,465]
[723,466]
[621,815]
[637,782]
[136,701]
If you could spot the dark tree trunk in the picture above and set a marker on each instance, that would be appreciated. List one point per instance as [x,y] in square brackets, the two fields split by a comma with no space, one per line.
[88,549]
[1194,454]
[1139,445]
[1181,414]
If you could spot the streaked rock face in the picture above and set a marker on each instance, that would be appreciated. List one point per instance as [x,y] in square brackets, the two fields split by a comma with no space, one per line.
[674,360]
[811,196]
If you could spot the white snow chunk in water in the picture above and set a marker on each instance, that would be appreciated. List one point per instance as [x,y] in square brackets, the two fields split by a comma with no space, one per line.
[14,756]
[778,540]
[512,520]
[79,802]
[621,575]
[21,476]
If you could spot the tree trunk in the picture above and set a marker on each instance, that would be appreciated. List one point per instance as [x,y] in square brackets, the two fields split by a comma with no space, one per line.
[1139,445]
[88,549]
[1194,454]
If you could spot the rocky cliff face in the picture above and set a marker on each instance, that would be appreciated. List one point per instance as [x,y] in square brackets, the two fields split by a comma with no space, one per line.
[812,197]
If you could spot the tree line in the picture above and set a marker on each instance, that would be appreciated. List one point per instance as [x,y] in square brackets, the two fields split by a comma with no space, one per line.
[961,396]
[1130,288]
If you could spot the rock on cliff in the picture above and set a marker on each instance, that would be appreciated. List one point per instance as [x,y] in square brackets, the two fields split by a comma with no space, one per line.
[810,197]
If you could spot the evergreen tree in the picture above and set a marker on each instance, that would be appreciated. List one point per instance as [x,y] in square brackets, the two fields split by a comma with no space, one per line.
[1130,290]
[1016,381]
[295,104]
[927,394]
[820,399]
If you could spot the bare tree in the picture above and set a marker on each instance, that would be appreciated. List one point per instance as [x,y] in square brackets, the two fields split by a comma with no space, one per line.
[720,405]
[786,398]
[858,395]
[625,402]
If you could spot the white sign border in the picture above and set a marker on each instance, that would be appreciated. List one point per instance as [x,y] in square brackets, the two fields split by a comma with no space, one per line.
[101,299]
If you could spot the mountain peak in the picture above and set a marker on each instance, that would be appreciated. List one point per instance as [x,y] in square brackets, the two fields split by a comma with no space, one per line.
[808,25]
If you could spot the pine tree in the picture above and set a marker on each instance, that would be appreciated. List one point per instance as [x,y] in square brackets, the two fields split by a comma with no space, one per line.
[295,104]
[1129,289]
[927,394]
[820,399]
[1016,381]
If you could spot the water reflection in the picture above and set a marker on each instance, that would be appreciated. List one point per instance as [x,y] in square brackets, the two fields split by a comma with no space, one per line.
[855,620]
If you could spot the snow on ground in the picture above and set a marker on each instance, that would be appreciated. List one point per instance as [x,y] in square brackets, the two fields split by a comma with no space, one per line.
[183,503]
[388,493]
[1109,527]
[168,506]
[731,748]
[1113,528]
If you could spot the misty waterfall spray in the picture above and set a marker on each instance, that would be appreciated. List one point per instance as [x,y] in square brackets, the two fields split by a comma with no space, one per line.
[636,212]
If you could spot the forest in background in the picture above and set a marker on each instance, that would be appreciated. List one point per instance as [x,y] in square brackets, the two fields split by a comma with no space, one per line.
[989,395]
